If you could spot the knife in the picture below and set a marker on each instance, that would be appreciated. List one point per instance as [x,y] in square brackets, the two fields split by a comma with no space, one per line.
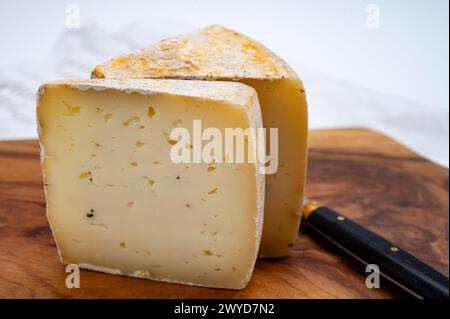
[395,264]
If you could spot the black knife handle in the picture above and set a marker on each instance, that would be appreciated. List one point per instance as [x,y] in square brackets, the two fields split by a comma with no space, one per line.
[395,264]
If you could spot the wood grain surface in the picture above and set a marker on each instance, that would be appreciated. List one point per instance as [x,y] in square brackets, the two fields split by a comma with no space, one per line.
[360,173]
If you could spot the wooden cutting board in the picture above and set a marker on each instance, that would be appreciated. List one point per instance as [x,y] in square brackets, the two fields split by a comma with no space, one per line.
[362,174]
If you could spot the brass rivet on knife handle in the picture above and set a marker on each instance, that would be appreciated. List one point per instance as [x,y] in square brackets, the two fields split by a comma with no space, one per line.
[394,249]
[309,207]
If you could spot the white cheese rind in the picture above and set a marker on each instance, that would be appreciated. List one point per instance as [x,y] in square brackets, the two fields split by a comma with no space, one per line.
[230,92]
[87,163]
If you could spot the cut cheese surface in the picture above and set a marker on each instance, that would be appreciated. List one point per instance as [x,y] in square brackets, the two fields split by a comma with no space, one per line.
[117,203]
[221,54]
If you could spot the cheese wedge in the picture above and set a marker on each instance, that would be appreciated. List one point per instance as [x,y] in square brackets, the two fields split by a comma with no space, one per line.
[116,201]
[221,54]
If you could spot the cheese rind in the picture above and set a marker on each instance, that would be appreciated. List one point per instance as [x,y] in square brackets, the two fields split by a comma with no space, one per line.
[211,53]
[115,201]
[222,54]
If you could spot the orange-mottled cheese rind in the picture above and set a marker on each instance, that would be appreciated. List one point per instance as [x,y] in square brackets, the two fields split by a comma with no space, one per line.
[211,53]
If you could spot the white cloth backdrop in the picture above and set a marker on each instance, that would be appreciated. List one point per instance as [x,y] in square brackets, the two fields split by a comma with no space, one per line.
[332,103]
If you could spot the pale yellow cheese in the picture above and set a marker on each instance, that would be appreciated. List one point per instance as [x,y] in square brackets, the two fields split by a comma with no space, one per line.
[221,54]
[117,203]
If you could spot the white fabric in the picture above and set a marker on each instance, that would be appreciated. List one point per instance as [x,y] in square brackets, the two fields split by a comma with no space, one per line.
[332,103]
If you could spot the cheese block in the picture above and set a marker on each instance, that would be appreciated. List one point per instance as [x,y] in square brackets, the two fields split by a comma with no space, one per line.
[118,203]
[220,54]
